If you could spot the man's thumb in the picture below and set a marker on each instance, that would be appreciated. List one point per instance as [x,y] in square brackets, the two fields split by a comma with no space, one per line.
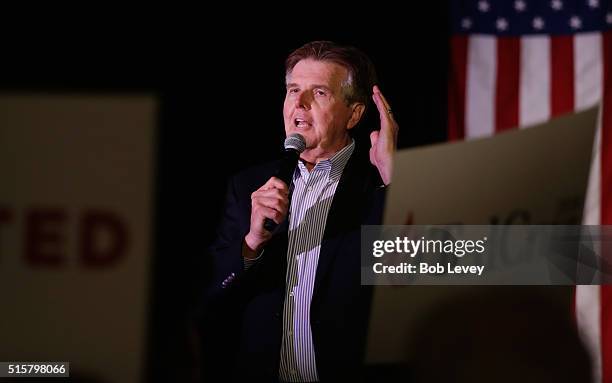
[374,137]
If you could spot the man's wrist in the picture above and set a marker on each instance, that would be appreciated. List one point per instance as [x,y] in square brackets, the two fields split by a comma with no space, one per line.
[251,248]
[385,171]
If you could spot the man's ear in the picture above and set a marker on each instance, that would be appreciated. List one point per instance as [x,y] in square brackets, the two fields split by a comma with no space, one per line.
[357,111]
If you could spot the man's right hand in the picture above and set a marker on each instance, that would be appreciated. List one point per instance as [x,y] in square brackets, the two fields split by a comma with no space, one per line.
[269,201]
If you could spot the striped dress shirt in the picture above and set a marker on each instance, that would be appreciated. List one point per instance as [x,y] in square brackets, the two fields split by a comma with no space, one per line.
[311,200]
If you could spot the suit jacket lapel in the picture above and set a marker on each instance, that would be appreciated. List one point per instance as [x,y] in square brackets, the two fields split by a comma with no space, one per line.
[344,213]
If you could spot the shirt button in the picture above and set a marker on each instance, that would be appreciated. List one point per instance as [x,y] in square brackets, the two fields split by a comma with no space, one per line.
[309,188]
[291,294]
[290,333]
[293,372]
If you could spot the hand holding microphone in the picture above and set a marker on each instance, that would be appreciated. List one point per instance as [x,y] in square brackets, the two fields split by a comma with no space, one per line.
[270,203]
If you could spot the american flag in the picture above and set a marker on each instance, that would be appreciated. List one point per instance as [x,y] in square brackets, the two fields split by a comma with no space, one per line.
[515,63]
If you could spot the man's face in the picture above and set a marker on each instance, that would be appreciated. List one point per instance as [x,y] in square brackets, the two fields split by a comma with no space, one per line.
[315,107]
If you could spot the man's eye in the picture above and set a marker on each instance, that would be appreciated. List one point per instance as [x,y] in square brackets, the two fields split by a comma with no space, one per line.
[293,90]
[320,93]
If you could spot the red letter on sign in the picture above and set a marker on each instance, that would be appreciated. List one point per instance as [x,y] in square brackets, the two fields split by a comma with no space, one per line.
[5,217]
[103,238]
[43,239]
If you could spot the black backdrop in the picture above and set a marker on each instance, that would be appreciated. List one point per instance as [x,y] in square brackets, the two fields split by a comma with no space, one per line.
[216,125]
[221,88]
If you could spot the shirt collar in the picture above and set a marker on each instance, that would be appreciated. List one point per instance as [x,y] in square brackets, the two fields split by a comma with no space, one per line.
[333,166]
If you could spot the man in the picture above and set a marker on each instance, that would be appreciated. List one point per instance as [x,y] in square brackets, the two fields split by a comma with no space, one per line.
[296,291]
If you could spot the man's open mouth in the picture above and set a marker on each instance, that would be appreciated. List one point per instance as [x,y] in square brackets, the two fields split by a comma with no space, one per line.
[301,123]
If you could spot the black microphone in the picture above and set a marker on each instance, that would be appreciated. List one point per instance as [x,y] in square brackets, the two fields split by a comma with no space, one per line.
[294,145]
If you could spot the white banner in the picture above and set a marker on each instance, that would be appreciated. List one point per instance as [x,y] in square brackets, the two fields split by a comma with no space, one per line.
[75,231]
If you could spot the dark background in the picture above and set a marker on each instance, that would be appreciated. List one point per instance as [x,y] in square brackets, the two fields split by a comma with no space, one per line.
[221,90]
[213,127]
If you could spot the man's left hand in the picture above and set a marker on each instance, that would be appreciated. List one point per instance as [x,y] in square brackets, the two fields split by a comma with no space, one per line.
[384,141]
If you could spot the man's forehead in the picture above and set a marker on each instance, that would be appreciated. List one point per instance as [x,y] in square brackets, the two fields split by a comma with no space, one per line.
[317,71]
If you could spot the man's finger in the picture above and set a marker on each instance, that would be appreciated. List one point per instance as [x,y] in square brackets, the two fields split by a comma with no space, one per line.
[383,110]
[387,107]
[273,202]
[379,104]
[273,214]
[271,193]
[276,183]
[382,97]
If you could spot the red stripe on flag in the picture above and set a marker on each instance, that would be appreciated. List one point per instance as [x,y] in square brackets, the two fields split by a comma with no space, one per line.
[562,75]
[606,333]
[507,89]
[456,88]
[606,202]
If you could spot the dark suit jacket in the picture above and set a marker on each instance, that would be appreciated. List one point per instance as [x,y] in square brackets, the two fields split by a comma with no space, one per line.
[251,302]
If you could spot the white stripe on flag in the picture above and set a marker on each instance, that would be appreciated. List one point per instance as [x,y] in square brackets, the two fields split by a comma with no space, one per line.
[534,87]
[588,322]
[588,71]
[588,305]
[480,87]
[591,214]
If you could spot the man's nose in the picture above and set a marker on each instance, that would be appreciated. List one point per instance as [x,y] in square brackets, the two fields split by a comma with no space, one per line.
[302,101]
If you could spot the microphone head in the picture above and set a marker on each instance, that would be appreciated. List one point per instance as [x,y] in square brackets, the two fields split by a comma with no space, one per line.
[296,142]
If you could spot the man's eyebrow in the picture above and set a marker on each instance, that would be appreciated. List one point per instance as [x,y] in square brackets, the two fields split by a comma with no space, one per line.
[292,85]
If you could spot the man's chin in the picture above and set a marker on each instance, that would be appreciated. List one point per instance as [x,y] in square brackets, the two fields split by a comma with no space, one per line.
[305,134]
